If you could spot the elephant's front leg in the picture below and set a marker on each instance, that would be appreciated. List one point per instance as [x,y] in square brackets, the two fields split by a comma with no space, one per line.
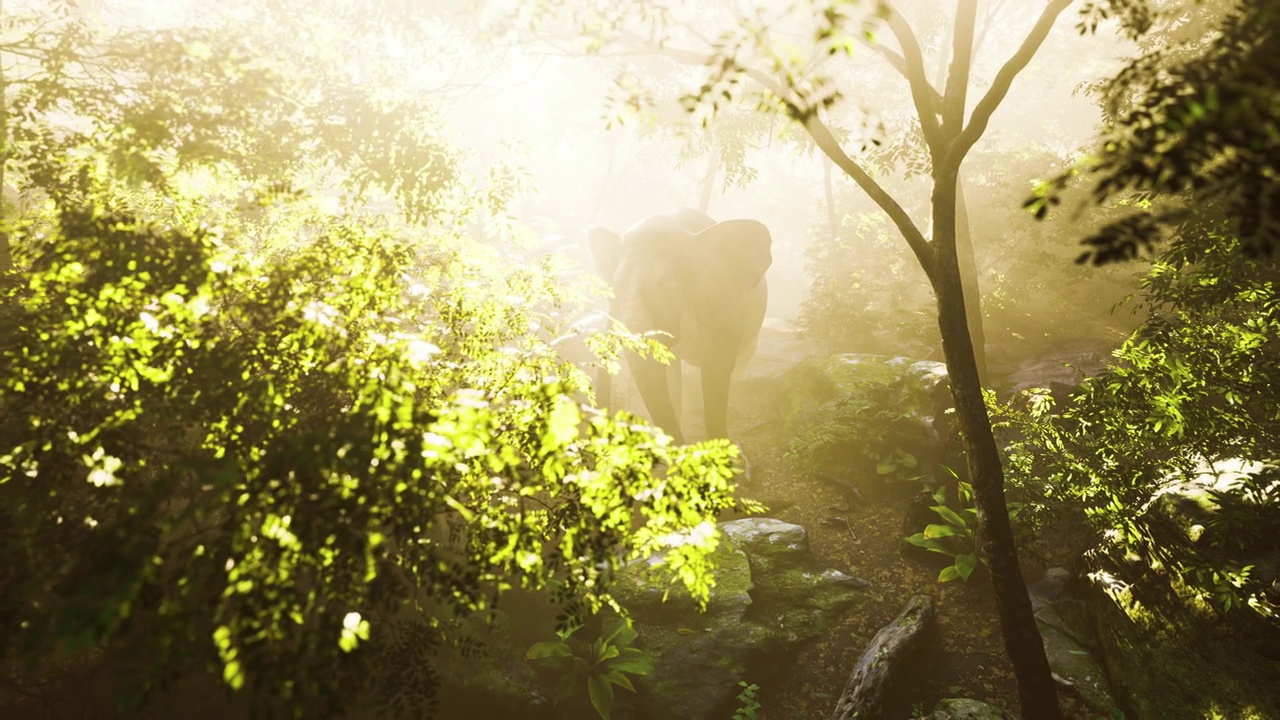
[717,368]
[651,378]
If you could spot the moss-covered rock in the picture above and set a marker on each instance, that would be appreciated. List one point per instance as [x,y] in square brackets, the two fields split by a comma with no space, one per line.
[771,596]
[881,416]
[792,589]
[1070,643]
[1172,646]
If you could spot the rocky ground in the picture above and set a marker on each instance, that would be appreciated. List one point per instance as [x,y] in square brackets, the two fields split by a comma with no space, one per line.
[865,541]
[856,524]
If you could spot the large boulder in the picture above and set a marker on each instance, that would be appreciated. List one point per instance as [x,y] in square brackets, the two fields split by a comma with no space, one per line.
[771,596]
[1070,643]
[1172,647]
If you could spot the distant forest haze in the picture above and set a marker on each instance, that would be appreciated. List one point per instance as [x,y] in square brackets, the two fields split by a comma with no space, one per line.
[541,359]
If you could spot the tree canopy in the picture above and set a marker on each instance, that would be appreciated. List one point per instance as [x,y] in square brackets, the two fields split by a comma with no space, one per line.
[1192,122]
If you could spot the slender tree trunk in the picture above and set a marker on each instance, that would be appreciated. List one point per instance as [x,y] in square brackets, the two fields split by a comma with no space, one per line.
[1037,692]
[969,280]
[949,138]
[966,13]
[828,192]
[6,255]
[709,178]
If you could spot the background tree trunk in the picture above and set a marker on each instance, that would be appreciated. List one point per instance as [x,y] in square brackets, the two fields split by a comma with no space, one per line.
[6,256]
[829,193]
[709,178]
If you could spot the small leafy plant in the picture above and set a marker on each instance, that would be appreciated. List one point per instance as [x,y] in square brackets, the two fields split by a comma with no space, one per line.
[596,666]
[748,706]
[895,461]
[957,537]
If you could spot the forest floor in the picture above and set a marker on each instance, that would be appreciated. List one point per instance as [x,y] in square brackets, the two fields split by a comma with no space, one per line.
[861,533]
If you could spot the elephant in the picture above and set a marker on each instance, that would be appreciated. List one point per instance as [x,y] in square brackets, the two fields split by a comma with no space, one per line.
[700,282]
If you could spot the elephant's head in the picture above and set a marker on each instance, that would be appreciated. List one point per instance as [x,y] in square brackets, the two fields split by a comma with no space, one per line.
[670,266]
[685,273]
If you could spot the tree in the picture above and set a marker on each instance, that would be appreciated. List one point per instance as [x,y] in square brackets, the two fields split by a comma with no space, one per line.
[868,295]
[1193,385]
[1196,121]
[756,62]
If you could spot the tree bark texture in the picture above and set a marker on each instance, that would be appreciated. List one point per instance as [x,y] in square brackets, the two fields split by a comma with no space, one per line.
[6,256]
[970,282]
[1037,692]
[890,661]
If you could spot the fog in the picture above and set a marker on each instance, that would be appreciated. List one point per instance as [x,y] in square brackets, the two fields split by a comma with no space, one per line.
[547,112]
[837,402]
[510,96]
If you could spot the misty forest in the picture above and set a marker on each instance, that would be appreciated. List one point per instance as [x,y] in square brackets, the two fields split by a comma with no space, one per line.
[634,359]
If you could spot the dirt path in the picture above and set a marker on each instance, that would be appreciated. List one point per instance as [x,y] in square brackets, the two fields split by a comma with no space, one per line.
[972,662]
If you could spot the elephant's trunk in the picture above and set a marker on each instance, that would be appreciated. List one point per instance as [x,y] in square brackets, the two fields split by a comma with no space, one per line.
[604,387]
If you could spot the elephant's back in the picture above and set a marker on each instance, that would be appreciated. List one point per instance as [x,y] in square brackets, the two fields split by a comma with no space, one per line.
[676,227]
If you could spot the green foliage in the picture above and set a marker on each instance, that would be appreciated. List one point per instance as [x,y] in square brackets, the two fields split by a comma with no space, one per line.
[748,706]
[875,426]
[862,298]
[264,438]
[956,536]
[1196,119]
[1195,384]
[594,668]
[245,435]
[1031,498]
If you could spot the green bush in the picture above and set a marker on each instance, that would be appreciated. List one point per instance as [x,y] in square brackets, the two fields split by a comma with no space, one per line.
[861,414]
[209,460]
[1195,384]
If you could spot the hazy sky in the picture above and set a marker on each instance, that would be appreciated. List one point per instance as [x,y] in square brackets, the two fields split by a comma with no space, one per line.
[543,109]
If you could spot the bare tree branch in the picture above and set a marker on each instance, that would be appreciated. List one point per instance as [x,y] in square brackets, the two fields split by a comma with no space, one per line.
[1004,79]
[957,87]
[988,20]
[921,92]
[898,63]
[831,147]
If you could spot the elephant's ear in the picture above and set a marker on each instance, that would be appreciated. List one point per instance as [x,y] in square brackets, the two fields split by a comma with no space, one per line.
[606,249]
[738,252]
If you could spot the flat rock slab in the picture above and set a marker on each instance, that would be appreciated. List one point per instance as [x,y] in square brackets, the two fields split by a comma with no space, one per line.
[889,663]
[967,709]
